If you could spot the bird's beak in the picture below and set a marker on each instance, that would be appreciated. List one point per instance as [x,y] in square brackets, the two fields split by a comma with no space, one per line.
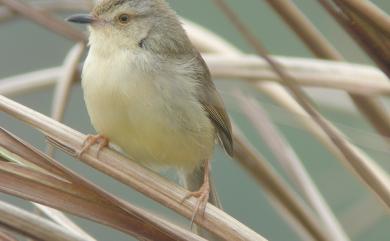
[82,19]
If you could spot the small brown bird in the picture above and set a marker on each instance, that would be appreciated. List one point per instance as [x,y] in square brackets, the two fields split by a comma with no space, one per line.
[148,90]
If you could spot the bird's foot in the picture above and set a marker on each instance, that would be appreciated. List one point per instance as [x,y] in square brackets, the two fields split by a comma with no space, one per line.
[91,140]
[202,195]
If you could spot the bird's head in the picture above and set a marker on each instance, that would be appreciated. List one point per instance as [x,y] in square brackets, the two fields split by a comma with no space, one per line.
[128,23]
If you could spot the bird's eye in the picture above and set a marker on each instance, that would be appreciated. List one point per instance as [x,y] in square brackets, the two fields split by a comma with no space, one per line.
[124,18]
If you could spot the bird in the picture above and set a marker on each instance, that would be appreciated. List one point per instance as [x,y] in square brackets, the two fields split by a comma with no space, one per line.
[148,90]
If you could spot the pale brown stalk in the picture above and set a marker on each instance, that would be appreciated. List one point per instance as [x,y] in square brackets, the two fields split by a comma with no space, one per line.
[45,20]
[33,226]
[371,108]
[27,173]
[61,97]
[293,166]
[278,94]
[132,174]
[30,82]
[308,33]
[376,16]
[65,83]
[378,181]
[6,236]
[365,207]
[67,78]
[61,219]
[370,37]
[275,186]
[49,6]
[353,78]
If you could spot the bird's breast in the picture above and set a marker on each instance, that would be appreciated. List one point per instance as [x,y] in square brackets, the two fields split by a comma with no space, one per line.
[154,118]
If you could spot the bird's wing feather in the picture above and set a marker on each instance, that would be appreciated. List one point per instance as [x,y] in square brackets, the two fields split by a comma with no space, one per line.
[212,102]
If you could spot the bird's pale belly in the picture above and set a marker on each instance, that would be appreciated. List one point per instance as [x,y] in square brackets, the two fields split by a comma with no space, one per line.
[148,129]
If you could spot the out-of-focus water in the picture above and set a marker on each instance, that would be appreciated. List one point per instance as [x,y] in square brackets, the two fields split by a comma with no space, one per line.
[26,47]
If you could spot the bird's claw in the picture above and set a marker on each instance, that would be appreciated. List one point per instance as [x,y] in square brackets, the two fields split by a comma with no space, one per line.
[202,196]
[91,140]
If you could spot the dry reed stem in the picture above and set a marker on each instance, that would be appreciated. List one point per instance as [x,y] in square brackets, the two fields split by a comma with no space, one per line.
[293,166]
[293,107]
[374,177]
[29,82]
[49,6]
[293,203]
[374,42]
[65,83]
[33,226]
[278,94]
[372,13]
[274,91]
[34,176]
[46,20]
[6,236]
[369,107]
[62,220]
[61,97]
[292,207]
[353,78]
[132,174]
[308,33]
[352,217]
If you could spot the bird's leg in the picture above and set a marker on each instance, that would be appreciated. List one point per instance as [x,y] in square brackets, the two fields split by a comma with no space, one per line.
[91,140]
[202,194]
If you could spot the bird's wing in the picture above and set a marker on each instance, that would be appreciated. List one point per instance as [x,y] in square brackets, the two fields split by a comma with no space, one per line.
[212,102]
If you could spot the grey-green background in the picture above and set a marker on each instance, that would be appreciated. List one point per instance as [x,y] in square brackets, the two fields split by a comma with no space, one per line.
[26,47]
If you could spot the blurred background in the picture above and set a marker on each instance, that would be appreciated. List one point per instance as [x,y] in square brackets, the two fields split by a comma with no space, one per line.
[27,47]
